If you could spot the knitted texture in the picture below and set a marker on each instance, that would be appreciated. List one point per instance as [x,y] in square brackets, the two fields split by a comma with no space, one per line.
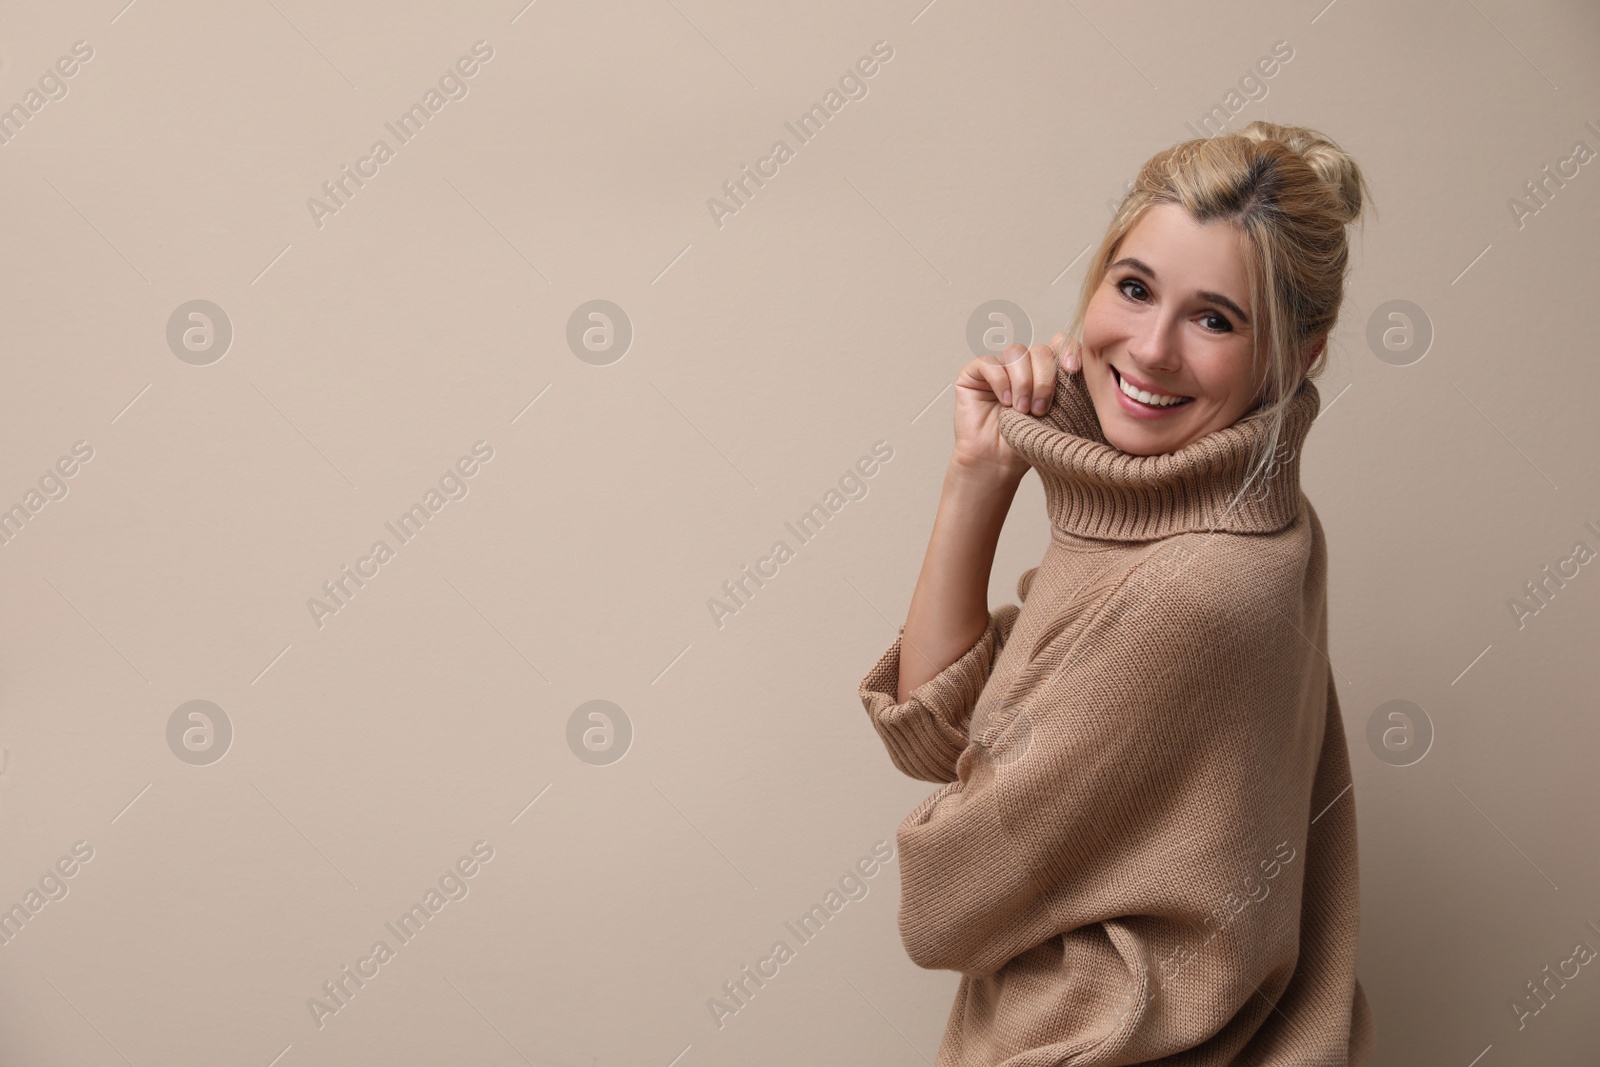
[1143,849]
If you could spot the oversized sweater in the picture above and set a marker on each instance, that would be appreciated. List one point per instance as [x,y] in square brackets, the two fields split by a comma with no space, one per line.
[1144,846]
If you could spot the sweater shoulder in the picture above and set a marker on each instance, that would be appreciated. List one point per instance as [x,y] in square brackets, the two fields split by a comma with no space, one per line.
[1212,578]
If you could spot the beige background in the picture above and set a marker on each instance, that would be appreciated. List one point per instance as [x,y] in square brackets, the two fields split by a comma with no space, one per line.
[431,712]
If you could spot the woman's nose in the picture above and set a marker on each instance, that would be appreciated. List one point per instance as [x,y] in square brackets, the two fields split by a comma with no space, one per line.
[1155,348]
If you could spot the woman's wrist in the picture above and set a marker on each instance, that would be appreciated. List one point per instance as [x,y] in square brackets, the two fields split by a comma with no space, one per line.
[974,504]
[949,609]
[974,480]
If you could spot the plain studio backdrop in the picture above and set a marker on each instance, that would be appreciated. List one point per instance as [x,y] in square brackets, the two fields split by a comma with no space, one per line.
[538,349]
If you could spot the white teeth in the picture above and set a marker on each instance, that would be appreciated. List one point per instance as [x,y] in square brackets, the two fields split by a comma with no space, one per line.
[1157,400]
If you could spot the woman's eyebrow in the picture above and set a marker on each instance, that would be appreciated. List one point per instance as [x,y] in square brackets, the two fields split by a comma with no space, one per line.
[1216,298]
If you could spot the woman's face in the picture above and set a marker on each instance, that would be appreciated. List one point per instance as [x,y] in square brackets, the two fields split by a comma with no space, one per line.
[1172,317]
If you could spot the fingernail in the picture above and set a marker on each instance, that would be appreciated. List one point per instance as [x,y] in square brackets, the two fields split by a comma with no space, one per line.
[1005,397]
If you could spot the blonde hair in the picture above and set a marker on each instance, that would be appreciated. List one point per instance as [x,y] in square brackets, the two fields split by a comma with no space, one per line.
[1291,192]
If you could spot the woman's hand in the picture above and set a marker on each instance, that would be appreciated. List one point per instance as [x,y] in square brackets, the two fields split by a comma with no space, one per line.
[949,610]
[1019,377]
[1071,357]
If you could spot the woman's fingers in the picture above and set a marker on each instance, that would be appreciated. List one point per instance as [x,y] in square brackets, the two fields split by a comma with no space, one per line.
[1067,348]
[1025,378]
[1043,358]
[995,374]
[1013,363]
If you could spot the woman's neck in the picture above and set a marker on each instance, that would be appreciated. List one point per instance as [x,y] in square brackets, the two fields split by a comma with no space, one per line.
[1094,489]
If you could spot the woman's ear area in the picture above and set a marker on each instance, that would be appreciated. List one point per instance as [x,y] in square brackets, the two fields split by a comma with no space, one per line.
[1311,354]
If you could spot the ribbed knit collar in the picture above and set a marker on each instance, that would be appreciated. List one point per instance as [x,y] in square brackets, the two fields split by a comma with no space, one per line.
[1094,489]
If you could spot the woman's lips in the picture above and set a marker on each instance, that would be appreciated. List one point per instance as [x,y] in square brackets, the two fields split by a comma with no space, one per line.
[1142,410]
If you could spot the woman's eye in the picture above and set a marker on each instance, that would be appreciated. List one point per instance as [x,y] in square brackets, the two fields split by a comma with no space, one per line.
[1216,321]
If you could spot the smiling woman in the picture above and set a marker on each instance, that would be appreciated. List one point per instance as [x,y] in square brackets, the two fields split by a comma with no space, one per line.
[1168,358]
[1129,756]
[1255,220]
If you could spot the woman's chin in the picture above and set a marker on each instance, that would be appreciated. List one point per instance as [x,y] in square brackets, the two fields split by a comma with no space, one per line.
[1138,447]
[1149,433]
[1140,437]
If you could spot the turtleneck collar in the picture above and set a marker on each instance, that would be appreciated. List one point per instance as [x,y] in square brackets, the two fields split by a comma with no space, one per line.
[1094,489]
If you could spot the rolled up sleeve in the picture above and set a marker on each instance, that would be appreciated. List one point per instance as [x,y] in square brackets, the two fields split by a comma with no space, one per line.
[927,733]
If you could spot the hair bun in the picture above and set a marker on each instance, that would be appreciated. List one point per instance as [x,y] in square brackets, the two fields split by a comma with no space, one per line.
[1331,163]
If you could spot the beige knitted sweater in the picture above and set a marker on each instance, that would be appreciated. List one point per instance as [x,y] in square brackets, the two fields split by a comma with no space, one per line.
[1145,849]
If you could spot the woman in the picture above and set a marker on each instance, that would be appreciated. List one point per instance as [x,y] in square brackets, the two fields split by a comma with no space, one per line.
[1145,847]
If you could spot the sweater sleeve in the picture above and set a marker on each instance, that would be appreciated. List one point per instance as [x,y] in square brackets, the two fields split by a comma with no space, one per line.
[927,733]
[1134,822]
